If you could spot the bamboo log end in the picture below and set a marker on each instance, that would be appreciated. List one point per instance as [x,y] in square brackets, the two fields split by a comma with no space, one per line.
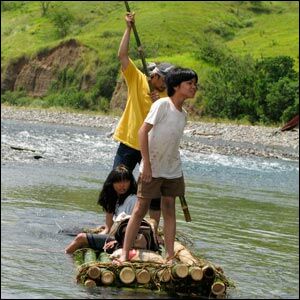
[180,270]
[196,273]
[164,275]
[127,275]
[143,276]
[208,271]
[107,277]
[94,272]
[218,288]
[89,283]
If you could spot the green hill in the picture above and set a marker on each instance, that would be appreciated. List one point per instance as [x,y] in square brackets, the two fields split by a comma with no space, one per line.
[169,30]
[246,53]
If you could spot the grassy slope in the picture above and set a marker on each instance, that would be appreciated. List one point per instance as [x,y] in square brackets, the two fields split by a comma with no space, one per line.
[170,30]
[274,34]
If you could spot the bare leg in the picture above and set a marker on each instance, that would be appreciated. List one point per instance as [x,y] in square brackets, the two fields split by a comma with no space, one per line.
[168,211]
[154,214]
[140,209]
[80,241]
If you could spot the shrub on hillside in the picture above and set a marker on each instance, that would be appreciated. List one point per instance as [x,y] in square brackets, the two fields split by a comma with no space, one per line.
[12,97]
[70,97]
[62,20]
[211,52]
[11,5]
[264,91]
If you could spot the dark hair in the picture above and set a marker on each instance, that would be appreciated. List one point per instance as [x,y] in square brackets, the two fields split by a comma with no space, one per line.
[178,75]
[108,196]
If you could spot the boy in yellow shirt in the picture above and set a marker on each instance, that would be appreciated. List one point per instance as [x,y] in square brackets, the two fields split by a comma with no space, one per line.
[138,104]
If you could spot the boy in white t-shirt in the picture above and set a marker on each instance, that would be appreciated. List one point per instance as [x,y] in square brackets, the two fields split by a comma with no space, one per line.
[160,169]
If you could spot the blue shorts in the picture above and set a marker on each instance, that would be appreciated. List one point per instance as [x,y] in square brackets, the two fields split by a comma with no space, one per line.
[128,156]
[97,241]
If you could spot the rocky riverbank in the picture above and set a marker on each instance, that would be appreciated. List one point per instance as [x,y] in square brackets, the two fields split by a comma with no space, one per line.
[200,137]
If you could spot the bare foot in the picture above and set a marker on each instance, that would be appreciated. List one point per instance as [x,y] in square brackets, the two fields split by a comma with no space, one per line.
[119,261]
[125,258]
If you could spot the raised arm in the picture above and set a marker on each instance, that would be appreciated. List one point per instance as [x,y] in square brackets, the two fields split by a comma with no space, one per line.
[124,45]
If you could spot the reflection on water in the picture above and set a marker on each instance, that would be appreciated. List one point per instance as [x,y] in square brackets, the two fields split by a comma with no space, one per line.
[244,214]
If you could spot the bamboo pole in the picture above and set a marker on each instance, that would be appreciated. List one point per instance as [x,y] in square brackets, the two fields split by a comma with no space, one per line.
[139,48]
[127,275]
[185,209]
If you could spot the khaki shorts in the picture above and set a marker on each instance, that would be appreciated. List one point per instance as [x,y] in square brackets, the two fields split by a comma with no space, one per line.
[160,187]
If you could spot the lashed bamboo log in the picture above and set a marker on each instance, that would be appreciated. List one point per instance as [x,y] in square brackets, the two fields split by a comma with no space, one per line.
[78,257]
[89,256]
[218,287]
[143,276]
[184,255]
[90,283]
[104,257]
[180,270]
[94,272]
[148,269]
[208,271]
[127,275]
[141,255]
[196,273]
[160,274]
[107,276]
[164,275]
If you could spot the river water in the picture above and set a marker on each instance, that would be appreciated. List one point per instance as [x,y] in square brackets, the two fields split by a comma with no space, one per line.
[245,214]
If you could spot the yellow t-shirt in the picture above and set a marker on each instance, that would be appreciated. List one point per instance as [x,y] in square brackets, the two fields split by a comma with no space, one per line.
[137,106]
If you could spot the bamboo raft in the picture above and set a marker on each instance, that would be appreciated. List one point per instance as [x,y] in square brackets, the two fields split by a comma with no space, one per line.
[189,276]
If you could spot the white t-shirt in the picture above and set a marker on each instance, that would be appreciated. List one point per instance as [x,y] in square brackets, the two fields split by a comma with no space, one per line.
[126,207]
[164,138]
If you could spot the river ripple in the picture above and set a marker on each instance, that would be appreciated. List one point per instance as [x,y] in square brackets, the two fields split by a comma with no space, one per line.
[244,213]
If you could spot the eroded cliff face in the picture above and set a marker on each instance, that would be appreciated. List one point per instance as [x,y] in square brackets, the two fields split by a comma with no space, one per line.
[119,97]
[36,75]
